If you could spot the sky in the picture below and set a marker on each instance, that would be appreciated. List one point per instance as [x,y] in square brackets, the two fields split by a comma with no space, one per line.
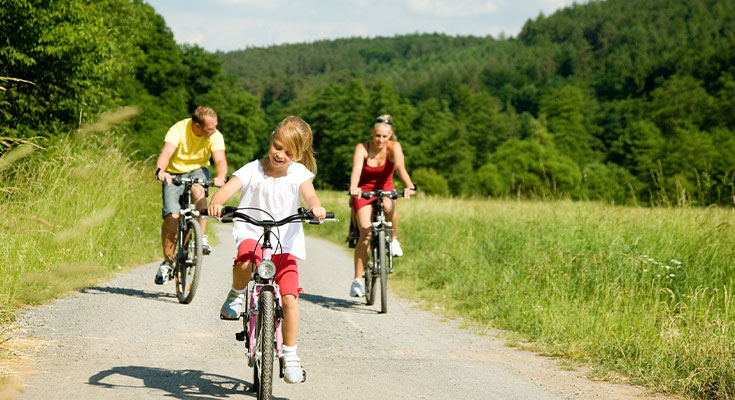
[228,25]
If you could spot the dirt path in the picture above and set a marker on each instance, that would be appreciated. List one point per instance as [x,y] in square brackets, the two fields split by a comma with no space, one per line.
[131,339]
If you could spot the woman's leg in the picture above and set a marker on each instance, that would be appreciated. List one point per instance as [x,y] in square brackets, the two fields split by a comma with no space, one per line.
[361,250]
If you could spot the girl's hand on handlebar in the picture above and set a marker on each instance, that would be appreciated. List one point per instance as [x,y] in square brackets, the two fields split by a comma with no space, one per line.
[355,191]
[319,212]
[215,210]
[407,192]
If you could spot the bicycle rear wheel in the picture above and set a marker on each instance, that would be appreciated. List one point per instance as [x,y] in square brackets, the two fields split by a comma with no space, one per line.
[188,262]
[265,333]
[383,273]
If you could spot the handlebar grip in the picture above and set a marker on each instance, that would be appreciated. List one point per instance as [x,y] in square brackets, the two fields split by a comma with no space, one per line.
[330,214]
[204,212]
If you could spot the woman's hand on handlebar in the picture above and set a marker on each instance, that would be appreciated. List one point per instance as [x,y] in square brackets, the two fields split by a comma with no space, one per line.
[355,191]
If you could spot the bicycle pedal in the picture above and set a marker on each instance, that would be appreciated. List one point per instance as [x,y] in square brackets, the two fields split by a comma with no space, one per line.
[240,336]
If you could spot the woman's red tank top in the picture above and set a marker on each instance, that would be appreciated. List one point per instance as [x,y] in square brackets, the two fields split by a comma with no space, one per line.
[373,178]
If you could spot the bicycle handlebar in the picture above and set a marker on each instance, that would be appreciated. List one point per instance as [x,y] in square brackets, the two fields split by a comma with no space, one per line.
[177,180]
[393,194]
[229,214]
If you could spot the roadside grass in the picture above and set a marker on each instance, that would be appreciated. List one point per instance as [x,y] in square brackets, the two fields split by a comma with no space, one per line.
[72,215]
[643,292]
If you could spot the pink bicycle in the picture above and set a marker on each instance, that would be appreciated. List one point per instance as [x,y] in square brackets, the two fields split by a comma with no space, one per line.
[262,313]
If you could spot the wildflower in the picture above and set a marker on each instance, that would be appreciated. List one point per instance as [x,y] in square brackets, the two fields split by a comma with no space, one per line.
[675,262]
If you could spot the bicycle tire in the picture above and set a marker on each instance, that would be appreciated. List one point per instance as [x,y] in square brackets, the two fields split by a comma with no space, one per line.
[266,336]
[188,262]
[383,273]
[370,278]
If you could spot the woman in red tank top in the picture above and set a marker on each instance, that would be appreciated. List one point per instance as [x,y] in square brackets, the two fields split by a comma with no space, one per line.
[373,165]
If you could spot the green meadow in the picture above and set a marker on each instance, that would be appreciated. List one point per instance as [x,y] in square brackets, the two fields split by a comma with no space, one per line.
[643,292]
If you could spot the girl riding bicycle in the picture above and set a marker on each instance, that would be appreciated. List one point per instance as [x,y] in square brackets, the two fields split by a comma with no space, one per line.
[273,184]
[373,165]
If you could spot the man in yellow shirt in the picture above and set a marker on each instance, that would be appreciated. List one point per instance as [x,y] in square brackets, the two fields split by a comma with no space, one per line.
[187,148]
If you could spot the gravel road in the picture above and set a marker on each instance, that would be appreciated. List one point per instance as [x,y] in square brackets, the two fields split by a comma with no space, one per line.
[130,339]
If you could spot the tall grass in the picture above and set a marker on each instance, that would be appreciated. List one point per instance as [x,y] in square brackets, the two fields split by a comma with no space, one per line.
[72,214]
[639,291]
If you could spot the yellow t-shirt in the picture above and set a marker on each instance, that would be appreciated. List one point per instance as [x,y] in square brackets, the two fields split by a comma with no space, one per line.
[192,151]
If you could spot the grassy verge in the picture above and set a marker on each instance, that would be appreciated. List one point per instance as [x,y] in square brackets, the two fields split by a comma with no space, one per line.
[72,215]
[643,292]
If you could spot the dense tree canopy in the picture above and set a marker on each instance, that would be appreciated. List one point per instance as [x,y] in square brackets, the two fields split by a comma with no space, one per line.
[618,100]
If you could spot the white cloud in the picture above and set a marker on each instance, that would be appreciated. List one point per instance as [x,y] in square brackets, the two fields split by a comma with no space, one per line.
[453,8]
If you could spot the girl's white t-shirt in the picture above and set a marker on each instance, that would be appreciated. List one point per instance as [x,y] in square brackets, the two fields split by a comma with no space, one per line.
[279,197]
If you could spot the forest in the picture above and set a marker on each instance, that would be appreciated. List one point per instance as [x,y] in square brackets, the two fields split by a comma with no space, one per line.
[624,101]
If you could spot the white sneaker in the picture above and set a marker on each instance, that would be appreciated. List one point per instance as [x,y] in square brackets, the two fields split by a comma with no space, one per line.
[293,372]
[163,273]
[396,248]
[233,304]
[206,248]
[356,289]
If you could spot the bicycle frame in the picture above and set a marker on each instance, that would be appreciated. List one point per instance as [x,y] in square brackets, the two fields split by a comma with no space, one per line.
[380,224]
[250,313]
[188,257]
[254,290]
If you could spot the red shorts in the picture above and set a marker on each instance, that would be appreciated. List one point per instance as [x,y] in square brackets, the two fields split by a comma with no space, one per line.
[287,271]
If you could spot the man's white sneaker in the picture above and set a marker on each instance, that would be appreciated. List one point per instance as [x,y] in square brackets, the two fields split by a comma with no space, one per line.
[356,289]
[396,248]
[206,248]
[163,273]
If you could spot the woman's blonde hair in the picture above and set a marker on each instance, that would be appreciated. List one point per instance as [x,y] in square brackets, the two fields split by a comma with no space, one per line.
[296,135]
[384,120]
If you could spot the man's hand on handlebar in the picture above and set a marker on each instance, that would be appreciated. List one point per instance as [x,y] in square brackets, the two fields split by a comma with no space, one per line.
[164,176]
[219,182]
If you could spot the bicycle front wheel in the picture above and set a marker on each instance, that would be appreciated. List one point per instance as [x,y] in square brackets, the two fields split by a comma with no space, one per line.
[383,273]
[188,262]
[370,277]
[266,336]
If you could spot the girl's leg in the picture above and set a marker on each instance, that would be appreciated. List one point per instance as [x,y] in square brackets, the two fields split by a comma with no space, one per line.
[241,274]
[232,306]
[291,318]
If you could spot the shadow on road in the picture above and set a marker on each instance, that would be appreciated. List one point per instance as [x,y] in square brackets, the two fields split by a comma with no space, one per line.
[183,384]
[335,304]
[129,292]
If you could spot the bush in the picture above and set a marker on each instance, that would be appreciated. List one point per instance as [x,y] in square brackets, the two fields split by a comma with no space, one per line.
[430,182]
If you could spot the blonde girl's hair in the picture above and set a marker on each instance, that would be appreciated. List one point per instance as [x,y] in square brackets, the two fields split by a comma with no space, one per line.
[385,120]
[296,135]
